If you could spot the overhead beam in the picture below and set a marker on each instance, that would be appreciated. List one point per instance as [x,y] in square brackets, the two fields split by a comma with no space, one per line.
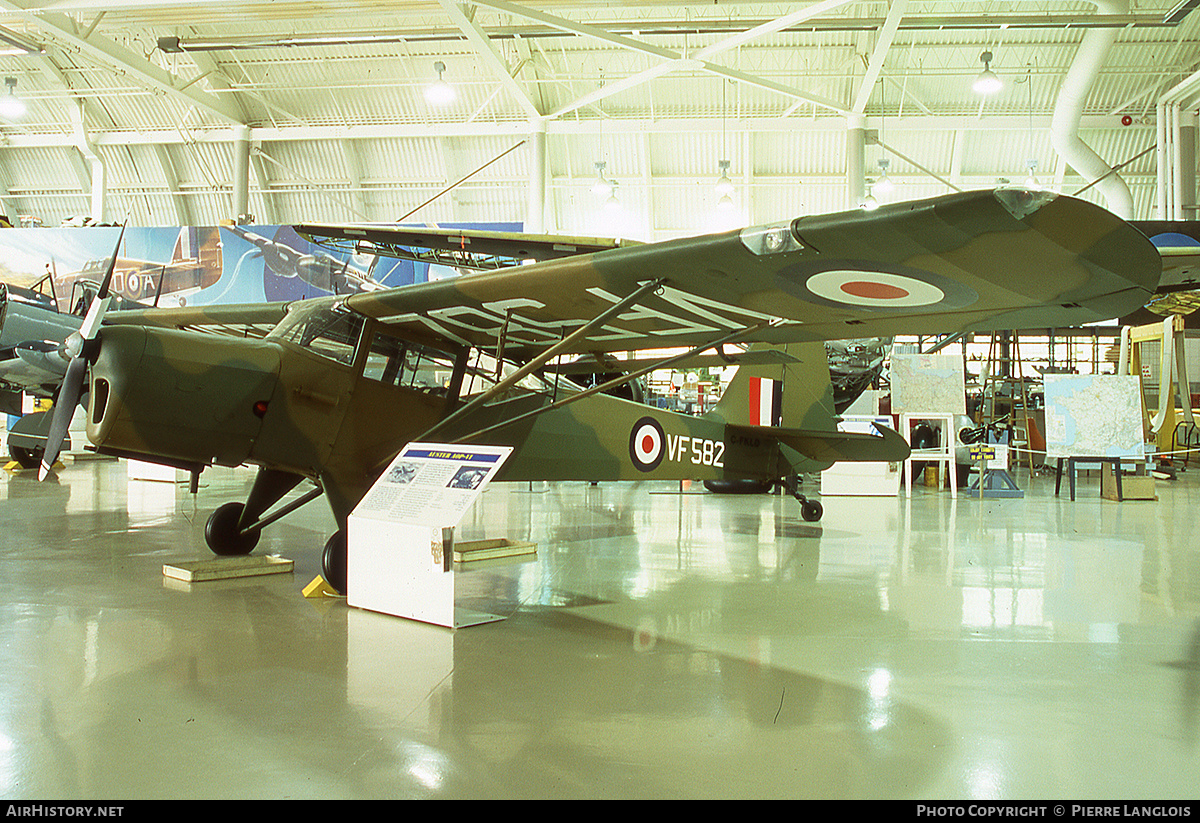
[62,30]
[482,44]
[673,60]
[272,134]
[883,45]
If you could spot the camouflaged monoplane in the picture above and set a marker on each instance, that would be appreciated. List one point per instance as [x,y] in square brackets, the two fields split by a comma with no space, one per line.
[327,391]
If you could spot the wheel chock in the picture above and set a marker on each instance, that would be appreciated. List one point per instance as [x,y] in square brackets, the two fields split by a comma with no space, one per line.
[13,467]
[319,588]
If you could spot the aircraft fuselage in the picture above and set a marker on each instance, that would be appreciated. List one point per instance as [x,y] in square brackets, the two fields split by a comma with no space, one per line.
[193,400]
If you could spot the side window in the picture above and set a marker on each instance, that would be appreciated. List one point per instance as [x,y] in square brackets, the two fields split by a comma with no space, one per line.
[426,369]
[332,334]
[384,360]
[394,362]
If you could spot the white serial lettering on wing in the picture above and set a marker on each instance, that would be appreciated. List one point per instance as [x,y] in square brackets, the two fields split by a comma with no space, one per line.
[686,314]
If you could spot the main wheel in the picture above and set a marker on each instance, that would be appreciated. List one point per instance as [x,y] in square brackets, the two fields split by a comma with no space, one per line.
[811,510]
[222,535]
[28,458]
[333,561]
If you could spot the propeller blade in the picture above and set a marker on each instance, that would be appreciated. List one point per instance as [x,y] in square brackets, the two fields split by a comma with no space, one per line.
[72,386]
[95,312]
[112,263]
[63,411]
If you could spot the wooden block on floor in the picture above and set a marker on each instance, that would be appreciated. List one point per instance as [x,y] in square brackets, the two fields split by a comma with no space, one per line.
[491,549]
[226,568]
[1133,486]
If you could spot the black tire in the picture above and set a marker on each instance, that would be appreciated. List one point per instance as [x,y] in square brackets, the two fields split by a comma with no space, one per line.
[28,458]
[811,510]
[739,486]
[222,535]
[333,561]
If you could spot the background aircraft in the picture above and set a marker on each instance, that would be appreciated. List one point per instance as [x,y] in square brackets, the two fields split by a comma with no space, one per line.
[340,384]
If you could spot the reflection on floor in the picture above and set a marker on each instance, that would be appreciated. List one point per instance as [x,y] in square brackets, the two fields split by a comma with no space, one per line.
[664,643]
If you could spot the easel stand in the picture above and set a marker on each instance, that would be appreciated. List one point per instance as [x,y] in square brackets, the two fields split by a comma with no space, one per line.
[1073,461]
[944,453]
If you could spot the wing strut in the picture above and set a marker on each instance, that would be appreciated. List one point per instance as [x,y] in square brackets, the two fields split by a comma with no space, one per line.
[543,358]
[617,381]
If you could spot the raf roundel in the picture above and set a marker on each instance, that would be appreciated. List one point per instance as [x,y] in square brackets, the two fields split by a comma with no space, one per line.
[876,289]
[646,444]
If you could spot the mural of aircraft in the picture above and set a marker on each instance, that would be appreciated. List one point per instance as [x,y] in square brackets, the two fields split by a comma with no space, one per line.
[328,390]
[321,271]
[195,264]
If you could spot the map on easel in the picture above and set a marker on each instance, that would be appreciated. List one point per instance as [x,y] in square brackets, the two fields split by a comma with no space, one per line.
[1098,415]
[928,384]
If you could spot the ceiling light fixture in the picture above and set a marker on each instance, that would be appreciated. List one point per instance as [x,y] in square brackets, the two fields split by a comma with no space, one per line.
[869,202]
[602,188]
[11,106]
[1031,181]
[439,92]
[612,203]
[884,184]
[724,185]
[987,82]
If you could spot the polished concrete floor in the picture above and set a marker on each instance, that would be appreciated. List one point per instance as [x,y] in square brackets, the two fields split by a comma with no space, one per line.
[662,644]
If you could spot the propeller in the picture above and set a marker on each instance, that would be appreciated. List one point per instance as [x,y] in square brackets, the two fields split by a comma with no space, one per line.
[83,350]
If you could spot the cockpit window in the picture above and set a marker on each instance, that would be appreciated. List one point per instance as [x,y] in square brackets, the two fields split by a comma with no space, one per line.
[331,331]
[395,362]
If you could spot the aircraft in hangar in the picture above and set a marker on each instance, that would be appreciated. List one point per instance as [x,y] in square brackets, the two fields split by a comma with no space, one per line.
[328,390]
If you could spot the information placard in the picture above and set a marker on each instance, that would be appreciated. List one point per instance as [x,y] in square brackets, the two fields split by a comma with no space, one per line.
[400,536]
[432,484]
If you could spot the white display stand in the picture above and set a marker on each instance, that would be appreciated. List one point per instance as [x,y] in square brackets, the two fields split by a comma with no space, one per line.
[862,479]
[139,470]
[400,537]
[944,453]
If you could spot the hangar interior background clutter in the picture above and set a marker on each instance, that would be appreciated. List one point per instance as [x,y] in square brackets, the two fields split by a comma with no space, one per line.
[158,110]
[665,641]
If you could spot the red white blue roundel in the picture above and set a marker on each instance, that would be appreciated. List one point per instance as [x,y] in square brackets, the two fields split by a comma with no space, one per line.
[646,444]
[874,288]
[866,285]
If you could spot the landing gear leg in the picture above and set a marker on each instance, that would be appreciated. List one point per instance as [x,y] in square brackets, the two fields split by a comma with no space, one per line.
[234,528]
[810,510]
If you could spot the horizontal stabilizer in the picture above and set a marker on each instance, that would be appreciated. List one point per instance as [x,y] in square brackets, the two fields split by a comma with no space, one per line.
[832,446]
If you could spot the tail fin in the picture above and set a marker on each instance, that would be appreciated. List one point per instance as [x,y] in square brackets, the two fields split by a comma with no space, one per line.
[786,385]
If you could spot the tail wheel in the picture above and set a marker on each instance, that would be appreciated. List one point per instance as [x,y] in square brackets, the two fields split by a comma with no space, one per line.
[333,561]
[222,535]
[811,510]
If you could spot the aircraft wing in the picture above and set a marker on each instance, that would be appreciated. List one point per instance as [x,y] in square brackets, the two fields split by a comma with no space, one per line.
[240,319]
[973,261]
[460,248]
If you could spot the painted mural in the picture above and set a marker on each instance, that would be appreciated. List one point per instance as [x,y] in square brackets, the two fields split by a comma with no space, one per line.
[199,265]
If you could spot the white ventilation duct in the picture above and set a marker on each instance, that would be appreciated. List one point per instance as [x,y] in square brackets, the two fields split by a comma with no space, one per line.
[1068,111]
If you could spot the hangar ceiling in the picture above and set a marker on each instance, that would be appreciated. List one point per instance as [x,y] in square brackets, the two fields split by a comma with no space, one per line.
[148,102]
